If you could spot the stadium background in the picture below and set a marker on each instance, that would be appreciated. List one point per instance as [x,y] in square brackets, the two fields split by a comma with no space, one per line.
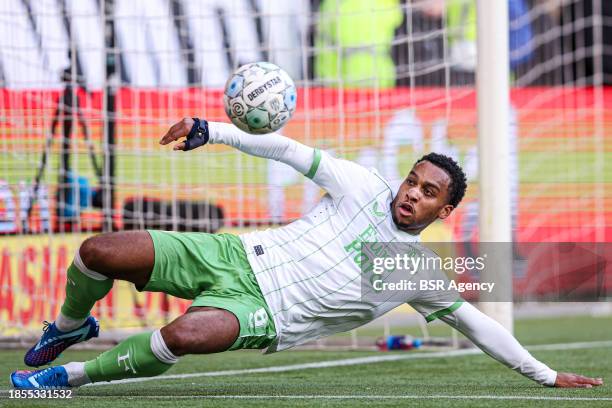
[379,82]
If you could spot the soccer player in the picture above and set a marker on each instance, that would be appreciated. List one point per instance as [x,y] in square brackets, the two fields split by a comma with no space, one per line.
[270,289]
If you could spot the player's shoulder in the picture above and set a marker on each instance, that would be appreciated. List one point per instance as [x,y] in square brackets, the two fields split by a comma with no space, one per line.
[372,184]
[377,179]
[349,177]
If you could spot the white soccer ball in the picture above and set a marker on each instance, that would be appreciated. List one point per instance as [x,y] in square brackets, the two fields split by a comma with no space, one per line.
[259,98]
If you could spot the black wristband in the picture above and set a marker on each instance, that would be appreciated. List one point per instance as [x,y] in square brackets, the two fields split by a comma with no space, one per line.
[198,136]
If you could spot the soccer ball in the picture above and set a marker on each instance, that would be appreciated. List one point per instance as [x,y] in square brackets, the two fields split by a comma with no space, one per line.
[259,98]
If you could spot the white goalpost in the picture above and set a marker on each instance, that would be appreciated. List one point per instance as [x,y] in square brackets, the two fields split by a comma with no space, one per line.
[493,93]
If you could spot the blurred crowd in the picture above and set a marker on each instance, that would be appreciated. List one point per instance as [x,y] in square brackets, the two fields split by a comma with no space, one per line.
[433,42]
[359,43]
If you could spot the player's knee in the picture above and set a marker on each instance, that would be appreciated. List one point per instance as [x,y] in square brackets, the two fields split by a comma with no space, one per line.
[94,252]
[179,338]
[207,330]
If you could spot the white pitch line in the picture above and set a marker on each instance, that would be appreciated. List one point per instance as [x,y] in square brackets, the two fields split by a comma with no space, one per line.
[571,346]
[350,397]
[294,367]
[360,397]
[351,361]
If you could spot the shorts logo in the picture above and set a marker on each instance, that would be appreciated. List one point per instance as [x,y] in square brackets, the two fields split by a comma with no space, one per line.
[258,319]
[258,250]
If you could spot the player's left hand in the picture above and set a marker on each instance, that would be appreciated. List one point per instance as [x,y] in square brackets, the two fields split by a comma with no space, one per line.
[177,131]
[194,129]
[570,380]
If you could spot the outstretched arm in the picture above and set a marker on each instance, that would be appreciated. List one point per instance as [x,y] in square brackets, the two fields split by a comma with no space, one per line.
[270,146]
[336,176]
[497,342]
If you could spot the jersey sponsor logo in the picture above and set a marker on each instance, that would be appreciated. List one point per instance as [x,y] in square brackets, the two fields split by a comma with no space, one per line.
[258,250]
[363,260]
[367,235]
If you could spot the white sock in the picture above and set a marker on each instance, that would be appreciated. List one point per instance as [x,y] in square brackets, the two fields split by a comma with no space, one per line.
[76,374]
[66,324]
[161,350]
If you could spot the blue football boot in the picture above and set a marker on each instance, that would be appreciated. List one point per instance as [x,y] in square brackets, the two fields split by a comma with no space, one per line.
[52,377]
[53,342]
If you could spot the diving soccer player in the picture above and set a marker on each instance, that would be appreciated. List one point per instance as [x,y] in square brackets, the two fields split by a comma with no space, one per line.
[271,289]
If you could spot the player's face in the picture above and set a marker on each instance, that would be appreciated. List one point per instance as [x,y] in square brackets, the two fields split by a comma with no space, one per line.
[422,198]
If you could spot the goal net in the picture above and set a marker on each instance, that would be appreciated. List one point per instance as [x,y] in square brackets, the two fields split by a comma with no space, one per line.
[88,87]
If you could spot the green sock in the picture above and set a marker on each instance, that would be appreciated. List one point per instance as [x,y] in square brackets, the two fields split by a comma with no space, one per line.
[82,292]
[131,358]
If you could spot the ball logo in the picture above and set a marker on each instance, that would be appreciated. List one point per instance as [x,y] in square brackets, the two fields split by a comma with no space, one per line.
[237,108]
[263,88]
[257,92]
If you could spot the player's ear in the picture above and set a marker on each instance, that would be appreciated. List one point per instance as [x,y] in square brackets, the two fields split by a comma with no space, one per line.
[445,211]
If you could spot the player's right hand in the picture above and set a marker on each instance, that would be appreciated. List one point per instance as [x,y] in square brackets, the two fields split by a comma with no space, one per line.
[570,380]
[177,131]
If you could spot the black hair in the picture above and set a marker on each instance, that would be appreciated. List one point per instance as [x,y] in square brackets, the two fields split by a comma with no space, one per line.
[458,184]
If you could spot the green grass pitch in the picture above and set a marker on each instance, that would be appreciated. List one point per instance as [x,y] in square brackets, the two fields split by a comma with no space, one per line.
[458,381]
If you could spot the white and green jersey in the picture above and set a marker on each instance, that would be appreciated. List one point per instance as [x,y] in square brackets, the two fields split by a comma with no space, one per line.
[309,271]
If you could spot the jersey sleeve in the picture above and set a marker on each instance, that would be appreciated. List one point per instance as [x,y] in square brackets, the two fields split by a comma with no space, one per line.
[339,177]
[436,308]
[336,176]
[434,302]
[269,146]
[492,338]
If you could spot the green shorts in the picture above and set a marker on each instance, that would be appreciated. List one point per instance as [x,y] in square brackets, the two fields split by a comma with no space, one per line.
[213,270]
